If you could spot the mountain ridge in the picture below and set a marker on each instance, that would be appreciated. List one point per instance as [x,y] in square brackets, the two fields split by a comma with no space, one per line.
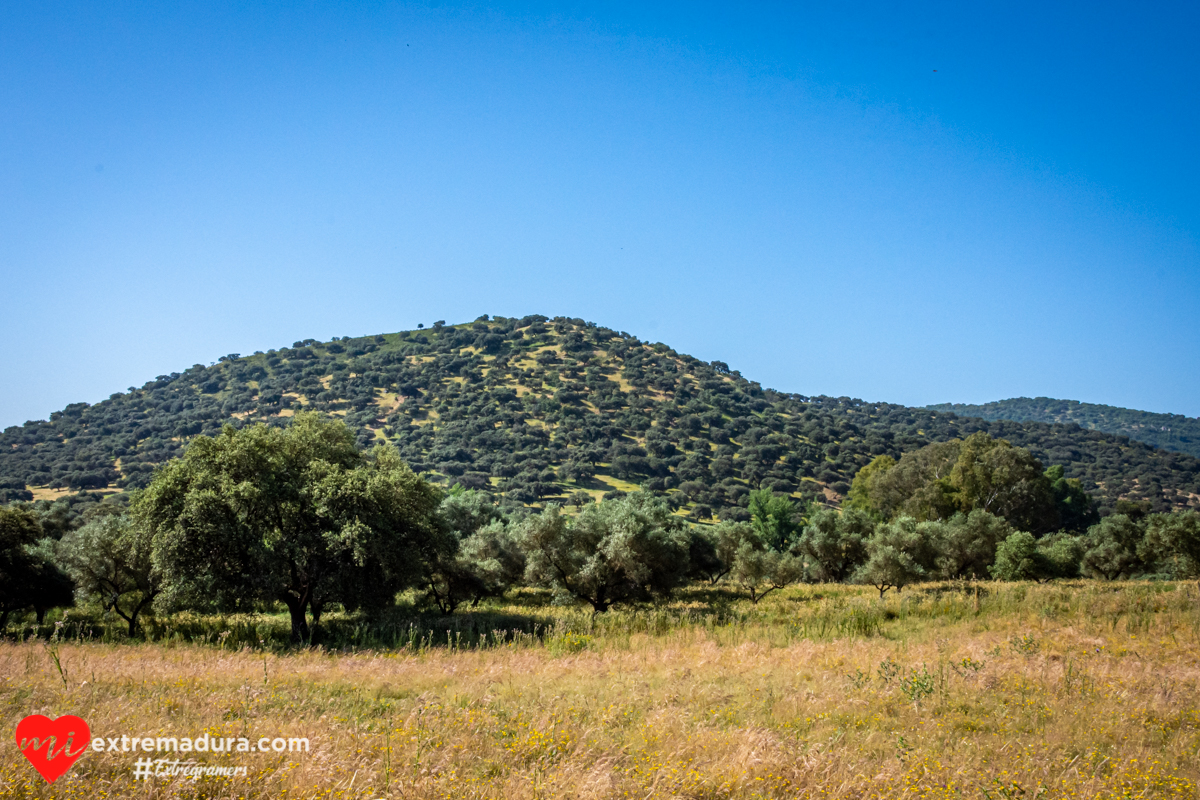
[537,409]
[1175,432]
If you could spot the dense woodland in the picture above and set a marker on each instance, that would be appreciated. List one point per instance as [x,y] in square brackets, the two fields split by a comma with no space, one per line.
[1174,432]
[534,410]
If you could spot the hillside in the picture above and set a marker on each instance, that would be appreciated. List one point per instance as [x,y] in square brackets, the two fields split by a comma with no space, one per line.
[1174,432]
[535,409]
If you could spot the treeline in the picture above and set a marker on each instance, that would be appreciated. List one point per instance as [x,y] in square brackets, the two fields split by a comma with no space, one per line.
[303,518]
[533,410]
[1174,432]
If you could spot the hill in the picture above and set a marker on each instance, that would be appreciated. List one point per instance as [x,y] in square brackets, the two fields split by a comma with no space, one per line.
[535,409]
[1175,432]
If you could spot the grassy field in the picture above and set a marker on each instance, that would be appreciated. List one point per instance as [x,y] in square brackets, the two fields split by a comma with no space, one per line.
[1008,691]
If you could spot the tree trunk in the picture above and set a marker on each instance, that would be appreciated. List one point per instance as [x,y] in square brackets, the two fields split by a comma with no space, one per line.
[600,602]
[130,618]
[3,620]
[444,601]
[317,606]
[296,607]
[133,616]
[40,613]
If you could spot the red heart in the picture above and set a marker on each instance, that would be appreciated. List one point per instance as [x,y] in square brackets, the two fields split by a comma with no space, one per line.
[56,737]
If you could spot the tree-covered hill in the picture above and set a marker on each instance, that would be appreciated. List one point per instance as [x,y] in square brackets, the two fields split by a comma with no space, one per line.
[532,409]
[1174,432]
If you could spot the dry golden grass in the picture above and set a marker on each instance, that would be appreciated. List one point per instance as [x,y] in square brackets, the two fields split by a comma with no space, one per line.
[1062,691]
[46,493]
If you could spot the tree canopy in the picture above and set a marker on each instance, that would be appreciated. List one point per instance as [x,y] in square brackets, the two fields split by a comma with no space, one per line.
[109,558]
[29,577]
[296,515]
[978,473]
[623,550]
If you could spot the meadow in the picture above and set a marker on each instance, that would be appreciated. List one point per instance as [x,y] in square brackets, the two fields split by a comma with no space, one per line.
[980,690]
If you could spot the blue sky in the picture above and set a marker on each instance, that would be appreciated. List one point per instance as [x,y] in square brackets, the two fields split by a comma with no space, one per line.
[908,202]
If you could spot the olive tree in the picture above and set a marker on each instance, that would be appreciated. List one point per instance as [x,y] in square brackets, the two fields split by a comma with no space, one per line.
[761,570]
[483,557]
[1021,557]
[713,550]
[966,543]
[110,560]
[898,553]
[1172,543]
[834,544]
[1112,548]
[617,551]
[49,587]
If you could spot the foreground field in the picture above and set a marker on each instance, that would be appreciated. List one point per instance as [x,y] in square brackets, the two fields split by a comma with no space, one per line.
[1001,691]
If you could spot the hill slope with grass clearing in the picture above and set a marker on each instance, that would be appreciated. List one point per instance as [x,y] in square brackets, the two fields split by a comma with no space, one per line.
[536,410]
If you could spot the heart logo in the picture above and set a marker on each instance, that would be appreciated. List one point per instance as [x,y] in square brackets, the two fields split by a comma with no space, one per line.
[49,744]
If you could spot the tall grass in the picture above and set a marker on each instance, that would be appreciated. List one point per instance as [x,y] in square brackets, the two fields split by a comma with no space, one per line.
[1078,689]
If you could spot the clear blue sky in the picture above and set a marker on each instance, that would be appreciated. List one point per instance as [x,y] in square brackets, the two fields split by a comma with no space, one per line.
[909,202]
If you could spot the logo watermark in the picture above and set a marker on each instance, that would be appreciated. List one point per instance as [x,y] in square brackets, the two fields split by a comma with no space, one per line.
[49,744]
[53,746]
[146,768]
[200,744]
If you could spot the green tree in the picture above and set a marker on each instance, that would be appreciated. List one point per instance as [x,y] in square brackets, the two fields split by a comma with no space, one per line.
[1172,543]
[703,563]
[862,488]
[465,511]
[19,529]
[1112,548]
[1022,557]
[1018,559]
[482,559]
[617,551]
[29,577]
[945,478]
[109,559]
[713,550]
[898,554]
[1063,553]
[1007,481]
[834,545]
[774,519]
[49,587]
[295,515]
[761,570]
[497,558]
[1076,508]
[918,485]
[966,543]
